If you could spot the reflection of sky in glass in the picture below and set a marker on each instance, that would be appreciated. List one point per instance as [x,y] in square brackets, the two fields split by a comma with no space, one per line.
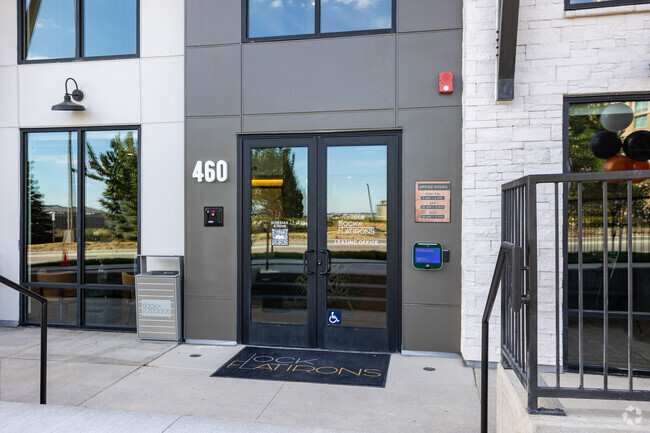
[100,142]
[48,152]
[280,17]
[586,1]
[349,169]
[351,15]
[296,17]
[109,27]
[53,35]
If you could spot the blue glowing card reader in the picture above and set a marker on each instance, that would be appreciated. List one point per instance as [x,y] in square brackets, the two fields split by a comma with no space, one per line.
[427,256]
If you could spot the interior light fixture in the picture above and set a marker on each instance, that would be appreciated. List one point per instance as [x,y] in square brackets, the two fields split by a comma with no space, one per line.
[67,104]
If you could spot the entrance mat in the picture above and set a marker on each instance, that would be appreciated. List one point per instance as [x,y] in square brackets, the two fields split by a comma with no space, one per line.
[303,365]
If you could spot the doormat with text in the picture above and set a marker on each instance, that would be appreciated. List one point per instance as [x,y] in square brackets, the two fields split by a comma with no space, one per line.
[303,365]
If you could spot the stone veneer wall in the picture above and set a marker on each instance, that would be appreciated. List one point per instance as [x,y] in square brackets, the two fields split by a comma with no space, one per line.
[588,52]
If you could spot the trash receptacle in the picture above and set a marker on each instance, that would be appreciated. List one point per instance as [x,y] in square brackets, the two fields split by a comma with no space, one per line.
[159,298]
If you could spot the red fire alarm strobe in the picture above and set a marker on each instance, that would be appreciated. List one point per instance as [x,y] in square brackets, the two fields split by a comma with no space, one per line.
[446,82]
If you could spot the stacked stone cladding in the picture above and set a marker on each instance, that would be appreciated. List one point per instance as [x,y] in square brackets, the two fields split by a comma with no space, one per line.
[560,53]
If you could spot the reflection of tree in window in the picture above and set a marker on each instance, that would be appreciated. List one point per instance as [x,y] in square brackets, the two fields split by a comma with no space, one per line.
[40,230]
[118,170]
[590,133]
[584,124]
[281,197]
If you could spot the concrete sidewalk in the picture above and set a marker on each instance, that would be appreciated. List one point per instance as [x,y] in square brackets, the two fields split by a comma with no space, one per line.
[105,381]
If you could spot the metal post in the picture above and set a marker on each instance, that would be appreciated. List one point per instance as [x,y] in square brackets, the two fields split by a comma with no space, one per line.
[557,286]
[630,305]
[485,326]
[531,316]
[484,373]
[43,352]
[605,288]
[581,366]
[267,244]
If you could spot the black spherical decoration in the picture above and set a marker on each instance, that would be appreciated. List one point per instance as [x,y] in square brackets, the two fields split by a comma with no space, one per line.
[605,144]
[637,146]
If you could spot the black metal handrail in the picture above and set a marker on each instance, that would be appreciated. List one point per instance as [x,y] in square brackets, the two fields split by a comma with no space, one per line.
[520,286]
[43,301]
[513,253]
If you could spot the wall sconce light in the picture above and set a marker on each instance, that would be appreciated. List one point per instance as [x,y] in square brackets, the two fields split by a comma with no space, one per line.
[67,104]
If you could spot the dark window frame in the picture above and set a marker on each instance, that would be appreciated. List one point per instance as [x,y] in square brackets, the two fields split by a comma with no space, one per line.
[602,4]
[80,285]
[395,331]
[317,33]
[78,38]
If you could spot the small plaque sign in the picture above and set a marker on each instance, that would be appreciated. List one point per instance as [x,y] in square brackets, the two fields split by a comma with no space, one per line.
[432,201]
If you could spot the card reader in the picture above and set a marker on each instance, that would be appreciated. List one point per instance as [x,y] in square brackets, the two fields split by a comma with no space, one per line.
[427,256]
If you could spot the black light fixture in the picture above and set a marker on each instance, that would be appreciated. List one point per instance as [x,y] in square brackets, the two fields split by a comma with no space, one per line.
[67,104]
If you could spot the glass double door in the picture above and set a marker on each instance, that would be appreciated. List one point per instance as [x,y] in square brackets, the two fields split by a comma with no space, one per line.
[319,242]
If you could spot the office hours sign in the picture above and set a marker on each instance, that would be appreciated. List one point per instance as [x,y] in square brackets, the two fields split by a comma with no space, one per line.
[433,201]
[210,171]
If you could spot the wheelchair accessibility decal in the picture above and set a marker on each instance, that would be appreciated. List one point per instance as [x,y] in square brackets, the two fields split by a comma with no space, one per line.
[334,317]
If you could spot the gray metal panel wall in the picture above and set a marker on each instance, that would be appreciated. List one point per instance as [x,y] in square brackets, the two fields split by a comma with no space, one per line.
[337,84]
[333,74]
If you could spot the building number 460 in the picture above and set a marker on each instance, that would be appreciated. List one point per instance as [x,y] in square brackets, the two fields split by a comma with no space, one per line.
[210,171]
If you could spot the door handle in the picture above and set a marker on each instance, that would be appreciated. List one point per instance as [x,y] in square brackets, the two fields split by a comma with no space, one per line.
[329,262]
[305,268]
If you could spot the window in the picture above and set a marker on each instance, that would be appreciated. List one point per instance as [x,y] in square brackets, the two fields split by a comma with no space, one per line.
[80,236]
[616,118]
[290,19]
[74,29]
[585,4]
[604,134]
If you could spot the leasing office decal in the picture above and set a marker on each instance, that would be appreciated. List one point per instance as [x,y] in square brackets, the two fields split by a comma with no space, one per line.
[346,227]
[367,369]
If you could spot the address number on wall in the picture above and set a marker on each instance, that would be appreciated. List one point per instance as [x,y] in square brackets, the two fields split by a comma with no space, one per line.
[210,171]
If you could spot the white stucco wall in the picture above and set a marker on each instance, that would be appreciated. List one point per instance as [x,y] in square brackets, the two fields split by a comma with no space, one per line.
[587,52]
[148,91]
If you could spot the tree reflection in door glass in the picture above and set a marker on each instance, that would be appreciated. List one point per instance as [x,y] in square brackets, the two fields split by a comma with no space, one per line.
[111,211]
[357,233]
[110,226]
[278,234]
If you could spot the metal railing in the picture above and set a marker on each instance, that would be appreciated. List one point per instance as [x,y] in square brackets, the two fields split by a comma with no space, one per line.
[535,229]
[43,301]
[592,223]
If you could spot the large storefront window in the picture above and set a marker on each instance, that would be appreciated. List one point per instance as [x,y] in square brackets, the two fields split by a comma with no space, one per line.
[608,135]
[81,225]
[56,29]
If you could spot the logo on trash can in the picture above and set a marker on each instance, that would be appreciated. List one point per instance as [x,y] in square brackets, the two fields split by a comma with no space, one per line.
[156,308]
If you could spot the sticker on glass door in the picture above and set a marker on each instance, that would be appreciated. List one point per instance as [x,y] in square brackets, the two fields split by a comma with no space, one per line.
[334,317]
